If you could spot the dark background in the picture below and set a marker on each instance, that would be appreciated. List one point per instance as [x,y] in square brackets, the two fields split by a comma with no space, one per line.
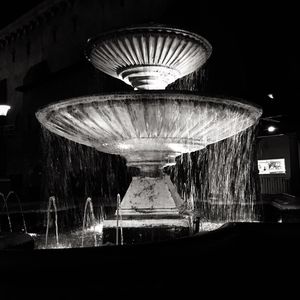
[265,38]
[255,52]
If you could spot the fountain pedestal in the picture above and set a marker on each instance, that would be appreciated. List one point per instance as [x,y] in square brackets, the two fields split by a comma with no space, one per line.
[151,196]
[151,210]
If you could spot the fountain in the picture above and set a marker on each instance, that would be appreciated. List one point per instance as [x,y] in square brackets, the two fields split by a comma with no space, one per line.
[150,126]
[148,57]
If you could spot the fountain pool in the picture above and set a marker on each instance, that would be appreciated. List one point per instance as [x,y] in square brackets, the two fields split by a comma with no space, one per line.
[73,239]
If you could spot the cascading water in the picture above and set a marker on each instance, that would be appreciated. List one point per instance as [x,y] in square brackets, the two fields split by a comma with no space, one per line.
[194,82]
[75,171]
[219,182]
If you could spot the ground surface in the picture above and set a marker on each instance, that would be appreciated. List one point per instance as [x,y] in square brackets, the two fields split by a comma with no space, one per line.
[247,256]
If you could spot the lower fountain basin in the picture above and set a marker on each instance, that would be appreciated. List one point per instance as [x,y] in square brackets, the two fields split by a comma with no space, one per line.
[134,231]
[148,128]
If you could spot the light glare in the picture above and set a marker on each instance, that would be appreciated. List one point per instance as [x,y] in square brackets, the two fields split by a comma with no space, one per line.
[271,129]
[4,109]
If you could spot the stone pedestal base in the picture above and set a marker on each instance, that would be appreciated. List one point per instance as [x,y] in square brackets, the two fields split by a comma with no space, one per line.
[151,210]
[151,196]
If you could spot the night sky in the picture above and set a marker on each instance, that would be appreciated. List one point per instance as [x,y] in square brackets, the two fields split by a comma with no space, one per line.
[265,36]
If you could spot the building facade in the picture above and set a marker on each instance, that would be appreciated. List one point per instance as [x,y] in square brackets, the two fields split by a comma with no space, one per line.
[42,60]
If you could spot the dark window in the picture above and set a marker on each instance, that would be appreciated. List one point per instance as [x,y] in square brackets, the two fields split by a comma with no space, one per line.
[54,34]
[13,55]
[28,48]
[3,90]
[18,122]
[75,23]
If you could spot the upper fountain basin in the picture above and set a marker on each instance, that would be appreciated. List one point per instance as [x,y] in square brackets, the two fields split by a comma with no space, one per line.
[148,57]
[148,128]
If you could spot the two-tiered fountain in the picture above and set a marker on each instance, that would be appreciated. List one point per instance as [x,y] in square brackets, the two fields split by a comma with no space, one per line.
[149,126]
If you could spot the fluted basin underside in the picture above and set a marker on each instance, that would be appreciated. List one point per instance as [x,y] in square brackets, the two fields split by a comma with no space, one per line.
[148,57]
[148,128]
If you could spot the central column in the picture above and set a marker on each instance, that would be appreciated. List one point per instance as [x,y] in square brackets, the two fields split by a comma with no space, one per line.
[151,209]
[152,194]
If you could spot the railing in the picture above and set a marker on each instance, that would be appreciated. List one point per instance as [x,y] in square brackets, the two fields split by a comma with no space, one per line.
[274,185]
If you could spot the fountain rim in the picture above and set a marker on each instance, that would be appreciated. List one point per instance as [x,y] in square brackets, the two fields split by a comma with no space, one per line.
[102,97]
[118,32]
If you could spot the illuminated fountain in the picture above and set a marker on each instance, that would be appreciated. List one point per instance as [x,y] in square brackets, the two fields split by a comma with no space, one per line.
[150,126]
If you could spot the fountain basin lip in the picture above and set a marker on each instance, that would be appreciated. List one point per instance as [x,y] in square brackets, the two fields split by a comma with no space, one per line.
[152,27]
[105,129]
[119,96]
[148,57]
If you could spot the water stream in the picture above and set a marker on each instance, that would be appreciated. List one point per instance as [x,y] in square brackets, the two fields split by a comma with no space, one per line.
[4,200]
[52,204]
[14,194]
[119,226]
[88,220]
